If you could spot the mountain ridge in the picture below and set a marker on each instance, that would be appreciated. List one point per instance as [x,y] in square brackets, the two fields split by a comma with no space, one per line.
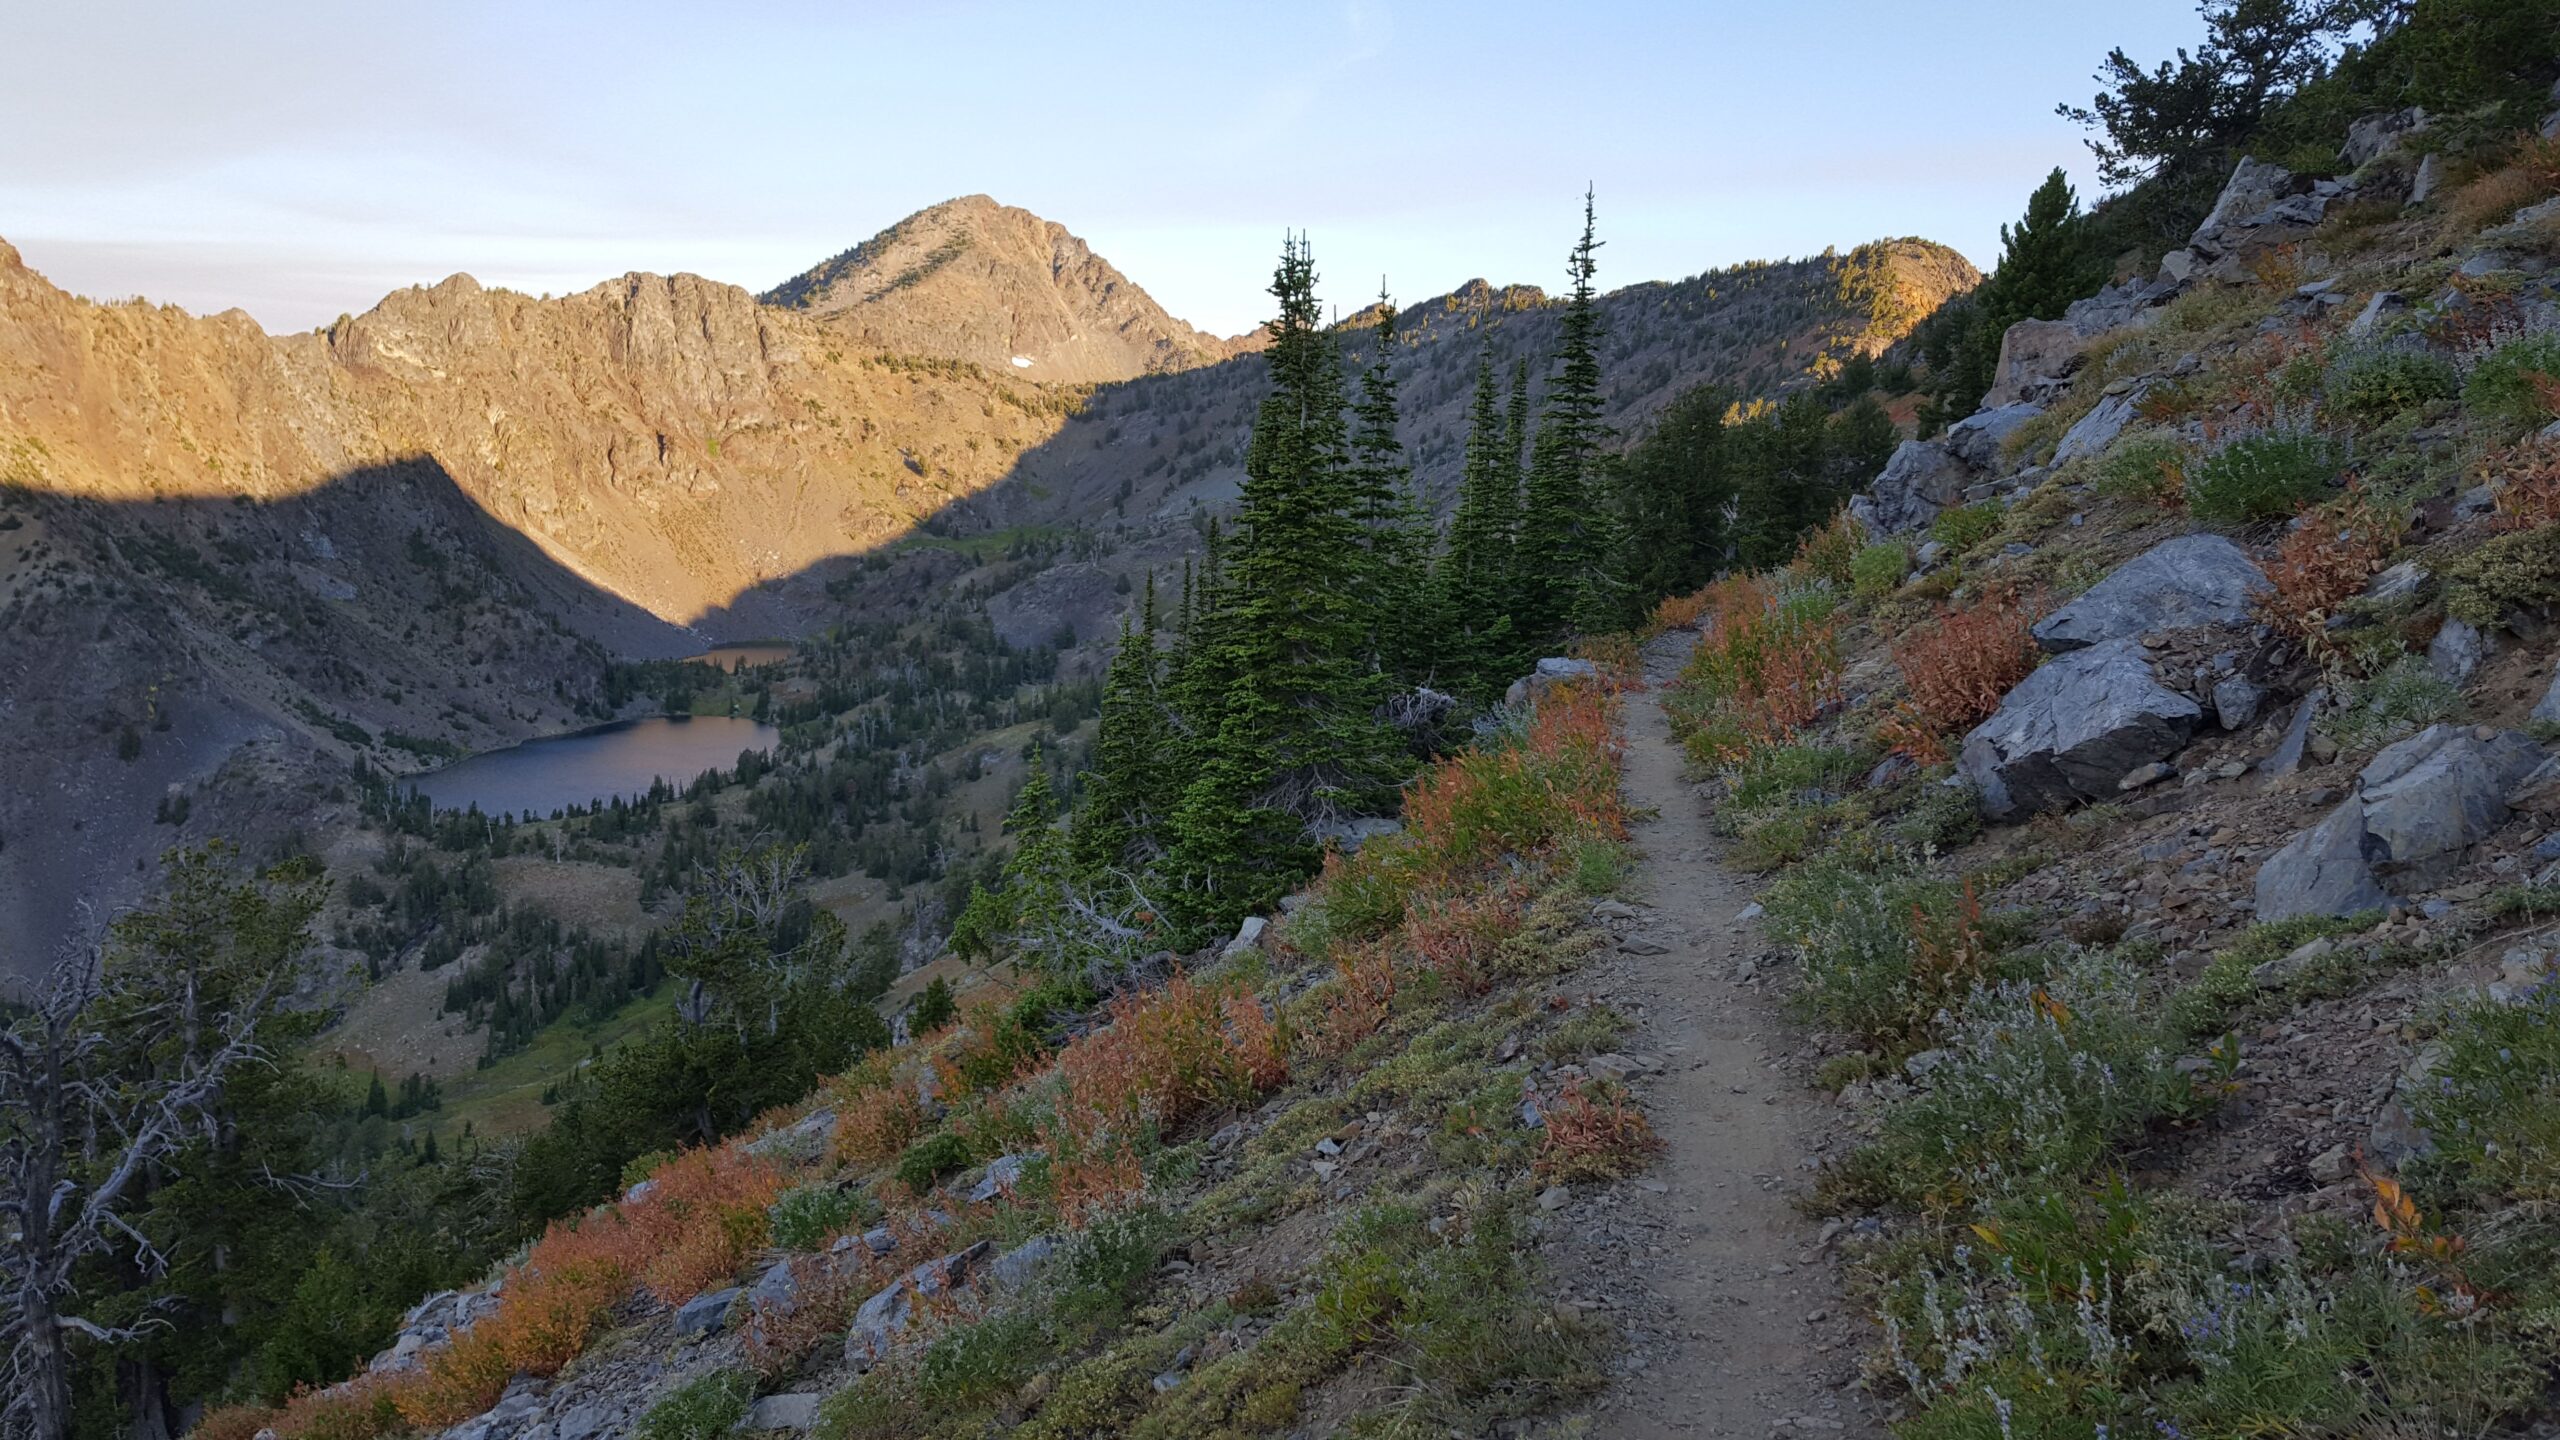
[996,285]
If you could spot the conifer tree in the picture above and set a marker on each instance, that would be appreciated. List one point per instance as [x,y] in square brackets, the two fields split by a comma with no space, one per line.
[1563,535]
[1398,538]
[1471,597]
[1119,821]
[1279,699]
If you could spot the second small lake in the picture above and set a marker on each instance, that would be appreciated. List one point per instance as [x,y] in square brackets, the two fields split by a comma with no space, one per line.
[622,759]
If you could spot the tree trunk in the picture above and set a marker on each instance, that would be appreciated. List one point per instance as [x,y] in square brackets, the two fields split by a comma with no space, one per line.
[146,1399]
[48,1366]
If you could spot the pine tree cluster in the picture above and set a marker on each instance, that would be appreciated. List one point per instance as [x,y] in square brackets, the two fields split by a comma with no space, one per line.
[1264,707]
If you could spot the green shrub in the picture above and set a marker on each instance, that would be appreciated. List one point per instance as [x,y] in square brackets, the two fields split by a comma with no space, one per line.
[1778,773]
[2266,476]
[2377,382]
[2402,699]
[1859,924]
[971,1363]
[2033,1086]
[2503,388]
[1877,570]
[1105,1268]
[2511,572]
[1965,526]
[2069,1314]
[2150,468]
[806,1216]
[2493,1102]
[2226,991]
[707,1407]
[931,1158]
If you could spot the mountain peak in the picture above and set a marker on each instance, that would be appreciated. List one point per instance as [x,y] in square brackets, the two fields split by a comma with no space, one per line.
[998,286]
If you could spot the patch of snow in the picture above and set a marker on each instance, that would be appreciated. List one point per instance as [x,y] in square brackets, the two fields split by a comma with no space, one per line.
[1022,362]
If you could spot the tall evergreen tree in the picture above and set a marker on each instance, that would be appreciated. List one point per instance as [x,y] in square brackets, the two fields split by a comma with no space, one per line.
[2047,260]
[1398,537]
[1119,821]
[1565,539]
[1280,701]
[1472,586]
[1677,491]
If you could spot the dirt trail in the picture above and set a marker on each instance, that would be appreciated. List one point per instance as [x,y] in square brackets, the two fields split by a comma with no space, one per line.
[1742,1330]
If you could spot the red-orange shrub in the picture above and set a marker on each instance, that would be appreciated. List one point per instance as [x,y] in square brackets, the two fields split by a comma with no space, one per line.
[2530,498]
[236,1422]
[874,1125]
[1166,1057]
[1960,665]
[2324,562]
[1606,1138]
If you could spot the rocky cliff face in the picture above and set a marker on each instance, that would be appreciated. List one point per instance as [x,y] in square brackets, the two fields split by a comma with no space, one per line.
[1001,288]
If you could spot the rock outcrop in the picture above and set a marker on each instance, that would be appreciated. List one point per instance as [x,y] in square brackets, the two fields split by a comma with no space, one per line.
[1922,478]
[2431,796]
[2189,580]
[2073,729]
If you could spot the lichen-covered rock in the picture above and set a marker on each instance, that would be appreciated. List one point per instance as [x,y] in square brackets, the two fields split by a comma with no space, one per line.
[2073,729]
[2191,580]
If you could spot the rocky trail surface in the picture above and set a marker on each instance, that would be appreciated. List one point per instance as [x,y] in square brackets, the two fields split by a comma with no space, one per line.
[1727,1294]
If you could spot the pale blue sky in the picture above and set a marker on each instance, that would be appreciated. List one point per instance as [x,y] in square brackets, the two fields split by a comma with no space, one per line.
[298,158]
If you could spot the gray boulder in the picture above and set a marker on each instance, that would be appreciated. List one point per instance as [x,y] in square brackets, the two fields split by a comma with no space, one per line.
[1349,835]
[2377,135]
[2434,794]
[2191,580]
[777,1290]
[706,1314]
[2369,320]
[1922,478]
[2322,871]
[1550,672]
[2073,729]
[1016,1267]
[2456,652]
[2547,709]
[2092,433]
[796,1411]
[2429,179]
[879,1320]
[2441,790]
[2036,360]
[1003,1173]
[2236,700]
[804,1142]
[2250,210]
[1977,438]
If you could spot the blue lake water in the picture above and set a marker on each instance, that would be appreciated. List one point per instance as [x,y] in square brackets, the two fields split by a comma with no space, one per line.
[624,758]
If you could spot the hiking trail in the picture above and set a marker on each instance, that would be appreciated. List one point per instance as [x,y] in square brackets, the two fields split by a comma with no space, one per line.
[1730,1300]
